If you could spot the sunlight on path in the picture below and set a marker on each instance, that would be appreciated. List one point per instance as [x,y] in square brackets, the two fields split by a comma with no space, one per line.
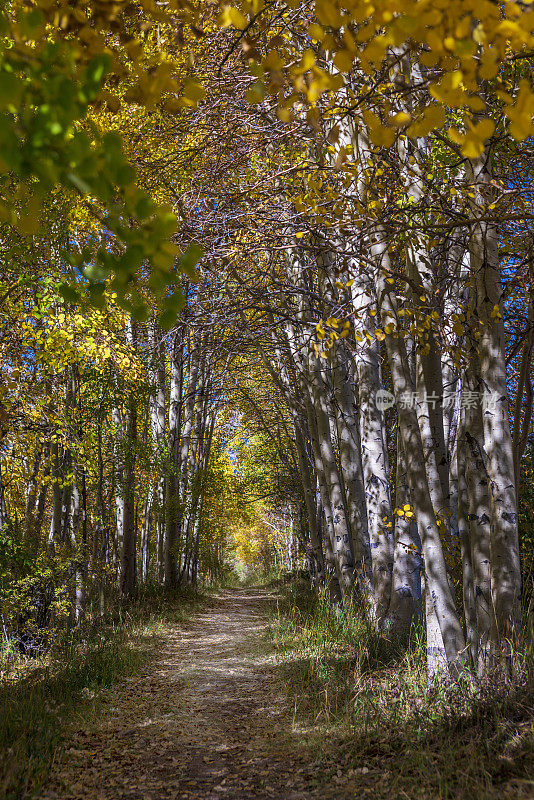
[208,720]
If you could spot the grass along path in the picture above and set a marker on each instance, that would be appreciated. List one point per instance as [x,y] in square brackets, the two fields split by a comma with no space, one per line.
[210,717]
[207,719]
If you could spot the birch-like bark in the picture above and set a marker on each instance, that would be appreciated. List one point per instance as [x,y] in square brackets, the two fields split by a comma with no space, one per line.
[350,455]
[146,527]
[172,500]
[522,421]
[468,587]
[155,503]
[314,486]
[295,387]
[337,541]
[55,522]
[175,512]
[430,416]
[5,521]
[286,379]
[191,491]
[341,543]
[70,503]
[373,444]
[332,580]
[31,496]
[405,604]
[478,515]
[436,654]
[118,471]
[129,543]
[38,519]
[193,488]
[125,424]
[67,499]
[437,585]
[203,469]
[311,509]
[485,270]
[101,550]
[81,554]
[429,389]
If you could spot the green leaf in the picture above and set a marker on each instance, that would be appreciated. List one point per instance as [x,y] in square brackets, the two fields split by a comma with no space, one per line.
[167,319]
[132,259]
[143,207]
[96,294]
[69,293]
[79,183]
[32,21]
[140,313]
[10,89]
[188,260]
[98,68]
[174,302]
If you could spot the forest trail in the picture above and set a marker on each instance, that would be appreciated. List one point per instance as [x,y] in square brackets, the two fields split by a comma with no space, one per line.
[208,719]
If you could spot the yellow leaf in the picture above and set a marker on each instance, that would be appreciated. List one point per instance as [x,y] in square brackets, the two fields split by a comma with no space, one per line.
[521,112]
[472,143]
[343,60]
[232,16]
[511,30]
[28,224]
[380,135]
[485,128]
[193,92]
[275,63]
[327,14]
[401,119]
[316,32]
[256,93]
[449,90]
[173,105]
[488,65]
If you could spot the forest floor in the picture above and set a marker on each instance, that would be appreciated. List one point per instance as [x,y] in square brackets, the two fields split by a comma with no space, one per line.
[208,717]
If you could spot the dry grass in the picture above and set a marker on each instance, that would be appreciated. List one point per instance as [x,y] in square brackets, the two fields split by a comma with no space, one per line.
[366,698]
[40,697]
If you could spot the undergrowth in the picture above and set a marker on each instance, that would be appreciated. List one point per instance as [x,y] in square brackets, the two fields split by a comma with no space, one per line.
[366,699]
[40,697]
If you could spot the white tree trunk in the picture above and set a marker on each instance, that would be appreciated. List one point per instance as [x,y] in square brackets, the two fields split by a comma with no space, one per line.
[373,444]
[437,584]
[485,270]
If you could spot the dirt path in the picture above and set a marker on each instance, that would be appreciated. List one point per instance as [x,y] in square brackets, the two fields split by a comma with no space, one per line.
[208,720]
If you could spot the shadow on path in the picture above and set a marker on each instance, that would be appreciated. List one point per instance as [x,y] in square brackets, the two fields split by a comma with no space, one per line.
[208,720]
